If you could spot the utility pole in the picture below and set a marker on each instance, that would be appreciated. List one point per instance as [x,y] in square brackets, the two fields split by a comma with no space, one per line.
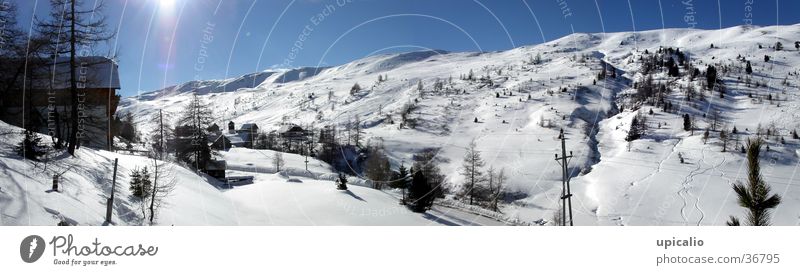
[110,202]
[406,182]
[566,195]
[308,152]
[161,122]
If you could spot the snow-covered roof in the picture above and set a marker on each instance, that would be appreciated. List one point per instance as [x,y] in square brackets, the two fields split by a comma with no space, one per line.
[236,139]
[249,126]
[289,127]
[92,72]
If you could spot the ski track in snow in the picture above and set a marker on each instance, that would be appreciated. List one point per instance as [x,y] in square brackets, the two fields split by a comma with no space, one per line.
[682,192]
[697,203]
[686,188]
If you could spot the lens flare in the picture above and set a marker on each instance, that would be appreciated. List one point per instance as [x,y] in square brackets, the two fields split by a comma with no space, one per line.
[166,4]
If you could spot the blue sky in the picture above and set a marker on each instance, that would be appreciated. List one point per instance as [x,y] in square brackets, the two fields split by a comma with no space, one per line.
[165,42]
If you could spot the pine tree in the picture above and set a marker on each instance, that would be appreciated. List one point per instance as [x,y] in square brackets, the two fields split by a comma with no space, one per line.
[278,162]
[471,170]
[341,182]
[358,132]
[673,69]
[163,182]
[711,77]
[327,138]
[127,129]
[497,189]
[637,129]
[427,163]
[29,147]
[12,35]
[140,184]
[755,195]
[377,168]
[420,194]
[687,122]
[355,89]
[192,135]
[399,181]
[723,136]
[161,136]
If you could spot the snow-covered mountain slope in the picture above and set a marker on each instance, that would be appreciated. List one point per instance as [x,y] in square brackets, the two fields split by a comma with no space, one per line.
[521,104]
[288,198]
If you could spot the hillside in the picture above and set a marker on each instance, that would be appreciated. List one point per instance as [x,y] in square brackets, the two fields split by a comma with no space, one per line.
[522,97]
[288,198]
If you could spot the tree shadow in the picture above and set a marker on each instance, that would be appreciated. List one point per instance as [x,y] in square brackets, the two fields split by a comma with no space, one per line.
[438,220]
[354,195]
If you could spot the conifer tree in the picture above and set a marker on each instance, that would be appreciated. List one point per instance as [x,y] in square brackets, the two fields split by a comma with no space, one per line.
[755,194]
[687,122]
[471,170]
[140,184]
[355,89]
[377,168]
[11,35]
[711,77]
[341,182]
[278,162]
[637,129]
[358,131]
[29,147]
[497,188]
[192,134]
[400,181]
[723,136]
[420,194]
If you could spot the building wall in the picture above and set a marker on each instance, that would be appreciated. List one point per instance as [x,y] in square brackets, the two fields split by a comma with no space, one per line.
[47,109]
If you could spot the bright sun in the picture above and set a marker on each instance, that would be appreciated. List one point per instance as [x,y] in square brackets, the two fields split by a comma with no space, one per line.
[166,4]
